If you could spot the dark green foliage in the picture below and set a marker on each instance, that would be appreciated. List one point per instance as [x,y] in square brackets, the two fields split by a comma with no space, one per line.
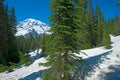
[98,29]
[102,29]
[83,30]
[27,44]
[3,68]
[12,20]
[112,26]
[106,38]
[12,66]
[43,42]
[13,51]
[100,26]
[64,40]
[115,25]
[2,59]
[25,60]
[21,43]
[3,29]
[91,24]
[47,74]
[8,50]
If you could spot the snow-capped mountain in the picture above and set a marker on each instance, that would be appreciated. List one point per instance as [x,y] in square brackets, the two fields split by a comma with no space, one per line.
[30,27]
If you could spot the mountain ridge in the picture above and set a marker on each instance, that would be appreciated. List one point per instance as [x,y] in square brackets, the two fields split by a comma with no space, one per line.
[31,26]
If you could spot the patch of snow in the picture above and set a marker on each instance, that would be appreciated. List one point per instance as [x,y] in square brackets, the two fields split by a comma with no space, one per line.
[34,53]
[92,52]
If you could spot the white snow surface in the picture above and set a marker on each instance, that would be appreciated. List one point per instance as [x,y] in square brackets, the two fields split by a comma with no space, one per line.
[109,69]
[92,52]
[99,72]
[34,53]
[31,26]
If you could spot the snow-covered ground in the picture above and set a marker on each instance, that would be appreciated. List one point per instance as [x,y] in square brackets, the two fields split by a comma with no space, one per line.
[31,72]
[109,68]
[103,64]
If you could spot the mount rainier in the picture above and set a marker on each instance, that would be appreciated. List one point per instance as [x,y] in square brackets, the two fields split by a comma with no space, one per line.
[30,27]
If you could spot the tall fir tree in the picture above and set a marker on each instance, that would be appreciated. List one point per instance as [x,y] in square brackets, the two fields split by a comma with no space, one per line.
[100,26]
[91,24]
[7,46]
[83,31]
[3,32]
[63,40]
[13,51]
[106,37]
[115,22]
[12,20]
[43,43]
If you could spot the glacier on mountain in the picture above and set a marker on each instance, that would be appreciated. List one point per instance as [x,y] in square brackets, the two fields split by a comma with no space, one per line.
[31,26]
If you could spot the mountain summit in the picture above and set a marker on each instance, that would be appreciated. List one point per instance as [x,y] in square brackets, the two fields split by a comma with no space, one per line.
[30,27]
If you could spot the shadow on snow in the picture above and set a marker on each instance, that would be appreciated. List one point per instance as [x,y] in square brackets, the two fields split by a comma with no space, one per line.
[91,63]
[33,76]
[113,75]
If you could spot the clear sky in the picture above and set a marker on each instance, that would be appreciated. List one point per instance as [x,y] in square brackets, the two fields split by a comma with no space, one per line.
[39,9]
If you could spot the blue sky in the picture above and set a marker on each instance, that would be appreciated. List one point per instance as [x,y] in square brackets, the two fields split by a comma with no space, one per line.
[108,7]
[39,9]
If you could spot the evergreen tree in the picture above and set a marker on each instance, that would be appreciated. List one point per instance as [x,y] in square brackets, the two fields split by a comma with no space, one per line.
[99,27]
[43,43]
[7,39]
[91,24]
[27,44]
[112,27]
[3,32]
[106,37]
[12,20]
[13,51]
[83,31]
[63,40]
[2,59]
[115,24]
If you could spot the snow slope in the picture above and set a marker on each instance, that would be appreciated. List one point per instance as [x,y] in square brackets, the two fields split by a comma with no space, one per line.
[104,64]
[31,26]
[109,69]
